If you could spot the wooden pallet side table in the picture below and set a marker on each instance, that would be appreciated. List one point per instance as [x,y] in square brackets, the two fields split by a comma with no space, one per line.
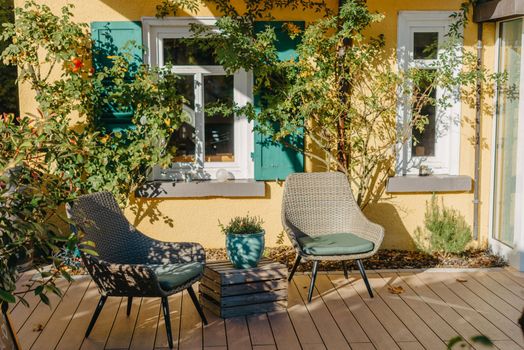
[230,292]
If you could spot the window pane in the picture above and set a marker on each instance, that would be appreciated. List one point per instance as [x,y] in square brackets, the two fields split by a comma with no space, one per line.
[510,56]
[183,140]
[424,141]
[425,45]
[219,130]
[188,52]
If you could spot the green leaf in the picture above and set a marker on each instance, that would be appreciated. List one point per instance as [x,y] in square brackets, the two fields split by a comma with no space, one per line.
[454,341]
[482,339]
[66,275]
[89,251]
[6,296]
[45,299]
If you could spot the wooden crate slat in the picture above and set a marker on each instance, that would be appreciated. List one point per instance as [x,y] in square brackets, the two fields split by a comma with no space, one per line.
[253,287]
[245,299]
[228,274]
[243,310]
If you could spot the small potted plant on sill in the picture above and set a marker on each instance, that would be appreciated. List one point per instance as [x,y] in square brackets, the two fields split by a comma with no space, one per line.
[244,240]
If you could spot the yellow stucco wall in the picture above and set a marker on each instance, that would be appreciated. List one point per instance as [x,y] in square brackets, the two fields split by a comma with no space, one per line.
[196,219]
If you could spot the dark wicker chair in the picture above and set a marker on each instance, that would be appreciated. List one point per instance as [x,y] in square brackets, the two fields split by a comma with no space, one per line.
[130,264]
[324,222]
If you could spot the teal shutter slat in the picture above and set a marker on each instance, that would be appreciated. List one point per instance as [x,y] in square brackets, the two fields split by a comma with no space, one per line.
[274,161]
[110,39]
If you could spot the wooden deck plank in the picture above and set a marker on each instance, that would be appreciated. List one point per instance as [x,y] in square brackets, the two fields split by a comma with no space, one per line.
[190,325]
[175,304]
[20,313]
[443,330]
[146,324]
[433,281]
[36,323]
[433,307]
[215,331]
[439,305]
[507,345]
[23,283]
[50,336]
[303,324]
[73,335]
[498,319]
[508,283]
[376,332]
[424,334]
[283,332]
[264,347]
[384,314]
[516,276]
[501,305]
[410,346]
[98,337]
[260,330]
[500,290]
[122,331]
[362,346]
[237,333]
[346,321]
[327,327]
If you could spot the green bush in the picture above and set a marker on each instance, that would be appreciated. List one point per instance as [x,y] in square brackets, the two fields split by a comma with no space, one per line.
[243,225]
[445,230]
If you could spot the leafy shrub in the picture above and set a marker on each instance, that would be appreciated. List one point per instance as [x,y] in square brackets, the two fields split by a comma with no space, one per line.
[243,225]
[445,230]
[49,158]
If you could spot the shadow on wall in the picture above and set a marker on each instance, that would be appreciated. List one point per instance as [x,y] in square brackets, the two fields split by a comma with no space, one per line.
[386,215]
[149,208]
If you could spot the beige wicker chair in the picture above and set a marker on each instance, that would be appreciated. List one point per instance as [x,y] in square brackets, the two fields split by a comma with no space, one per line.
[324,222]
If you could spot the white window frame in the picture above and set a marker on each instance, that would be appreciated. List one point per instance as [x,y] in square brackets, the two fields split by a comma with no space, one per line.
[447,144]
[514,253]
[154,31]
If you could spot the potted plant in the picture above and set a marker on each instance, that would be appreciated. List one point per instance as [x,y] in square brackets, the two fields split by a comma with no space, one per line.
[244,240]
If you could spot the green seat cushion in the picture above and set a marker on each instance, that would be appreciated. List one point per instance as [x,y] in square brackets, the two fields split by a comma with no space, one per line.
[335,244]
[173,275]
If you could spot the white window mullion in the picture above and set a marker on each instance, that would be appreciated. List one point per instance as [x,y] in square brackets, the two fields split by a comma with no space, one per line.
[199,121]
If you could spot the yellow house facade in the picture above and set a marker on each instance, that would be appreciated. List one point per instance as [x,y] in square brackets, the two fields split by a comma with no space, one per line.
[489,198]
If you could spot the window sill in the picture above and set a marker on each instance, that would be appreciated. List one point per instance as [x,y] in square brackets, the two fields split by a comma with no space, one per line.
[431,183]
[198,189]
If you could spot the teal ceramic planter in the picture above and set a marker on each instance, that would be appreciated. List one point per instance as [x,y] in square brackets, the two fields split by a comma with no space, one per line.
[245,250]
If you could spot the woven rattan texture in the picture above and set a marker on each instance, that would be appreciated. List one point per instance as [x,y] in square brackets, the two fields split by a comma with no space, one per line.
[124,253]
[317,204]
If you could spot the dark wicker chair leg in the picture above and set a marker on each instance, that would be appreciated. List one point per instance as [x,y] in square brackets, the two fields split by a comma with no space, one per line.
[167,320]
[297,262]
[313,278]
[129,304]
[99,307]
[345,268]
[197,304]
[364,276]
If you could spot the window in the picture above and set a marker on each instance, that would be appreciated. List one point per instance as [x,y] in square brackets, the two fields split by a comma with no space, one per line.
[205,143]
[420,37]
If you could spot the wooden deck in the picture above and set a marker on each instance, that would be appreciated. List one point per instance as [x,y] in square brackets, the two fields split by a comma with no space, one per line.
[434,307]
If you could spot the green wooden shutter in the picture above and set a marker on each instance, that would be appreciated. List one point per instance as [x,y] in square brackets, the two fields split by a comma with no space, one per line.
[274,161]
[109,39]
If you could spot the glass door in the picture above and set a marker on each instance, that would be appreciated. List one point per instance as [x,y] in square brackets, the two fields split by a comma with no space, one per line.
[510,60]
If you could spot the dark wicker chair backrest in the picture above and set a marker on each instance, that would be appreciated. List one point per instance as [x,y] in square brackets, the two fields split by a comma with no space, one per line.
[101,220]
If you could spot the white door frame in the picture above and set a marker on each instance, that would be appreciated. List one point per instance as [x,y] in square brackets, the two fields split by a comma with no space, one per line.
[514,253]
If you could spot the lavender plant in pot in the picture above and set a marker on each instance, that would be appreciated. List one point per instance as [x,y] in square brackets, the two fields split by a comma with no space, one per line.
[244,240]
